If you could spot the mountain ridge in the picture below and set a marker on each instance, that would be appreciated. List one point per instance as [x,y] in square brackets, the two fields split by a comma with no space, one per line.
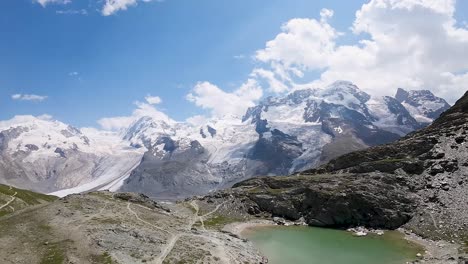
[166,158]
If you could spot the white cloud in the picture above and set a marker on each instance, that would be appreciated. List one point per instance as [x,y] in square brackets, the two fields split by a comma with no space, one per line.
[406,43]
[197,120]
[274,84]
[43,3]
[304,44]
[325,14]
[142,110]
[153,100]
[221,103]
[74,73]
[83,12]
[112,6]
[45,117]
[28,97]
[116,122]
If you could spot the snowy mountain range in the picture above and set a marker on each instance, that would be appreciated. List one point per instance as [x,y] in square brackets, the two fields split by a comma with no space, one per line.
[168,159]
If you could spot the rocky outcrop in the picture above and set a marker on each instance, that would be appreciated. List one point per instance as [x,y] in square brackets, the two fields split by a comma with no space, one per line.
[374,200]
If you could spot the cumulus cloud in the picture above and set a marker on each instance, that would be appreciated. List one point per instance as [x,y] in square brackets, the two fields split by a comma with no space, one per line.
[113,6]
[153,100]
[303,44]
[221,103]
[274,84]
[28,97]
[43,3]
[197,120]
[414,44]
[142,110]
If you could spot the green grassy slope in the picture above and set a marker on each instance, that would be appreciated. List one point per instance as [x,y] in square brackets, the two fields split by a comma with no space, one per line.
[13,199]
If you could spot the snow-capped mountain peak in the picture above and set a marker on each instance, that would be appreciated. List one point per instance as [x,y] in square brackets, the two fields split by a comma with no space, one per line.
[423,105]
[144,130]
[344,92]
[41,136]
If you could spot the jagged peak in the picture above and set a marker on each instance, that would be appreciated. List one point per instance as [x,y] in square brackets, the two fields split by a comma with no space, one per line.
[403,94]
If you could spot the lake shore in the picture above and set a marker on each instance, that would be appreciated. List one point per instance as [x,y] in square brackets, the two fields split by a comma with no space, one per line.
[239,228]
[436,252]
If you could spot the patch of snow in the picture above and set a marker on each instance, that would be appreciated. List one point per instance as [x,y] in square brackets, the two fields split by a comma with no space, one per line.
[339,130]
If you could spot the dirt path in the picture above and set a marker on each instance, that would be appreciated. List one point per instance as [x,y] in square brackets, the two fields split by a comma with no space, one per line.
[202,217]
[143,221]
[13,197]
[96,214]
[219,249]
[172,241]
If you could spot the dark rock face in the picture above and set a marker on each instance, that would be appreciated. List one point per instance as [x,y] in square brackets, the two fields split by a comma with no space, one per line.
[168,169]
[276,153]
[374,200]
[401,95]
[212,131]
[61,152]
[404,118]
[32,147]
[169,144]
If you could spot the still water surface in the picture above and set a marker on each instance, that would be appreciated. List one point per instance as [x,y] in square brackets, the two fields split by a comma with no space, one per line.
[308,245]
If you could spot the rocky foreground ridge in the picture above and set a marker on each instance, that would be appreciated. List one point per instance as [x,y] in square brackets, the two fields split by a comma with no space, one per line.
[105,228]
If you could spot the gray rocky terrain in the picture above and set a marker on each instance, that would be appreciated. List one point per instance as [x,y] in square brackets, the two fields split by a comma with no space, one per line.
[104,227]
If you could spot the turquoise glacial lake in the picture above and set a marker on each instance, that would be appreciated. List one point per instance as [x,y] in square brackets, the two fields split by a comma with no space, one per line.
[309,245]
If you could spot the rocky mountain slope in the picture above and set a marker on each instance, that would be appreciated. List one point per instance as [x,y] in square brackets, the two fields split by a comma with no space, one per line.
[168,159]
[104,228]
[419,182]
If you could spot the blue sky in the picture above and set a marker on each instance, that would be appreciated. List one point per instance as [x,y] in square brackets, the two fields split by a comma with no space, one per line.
[92,66]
